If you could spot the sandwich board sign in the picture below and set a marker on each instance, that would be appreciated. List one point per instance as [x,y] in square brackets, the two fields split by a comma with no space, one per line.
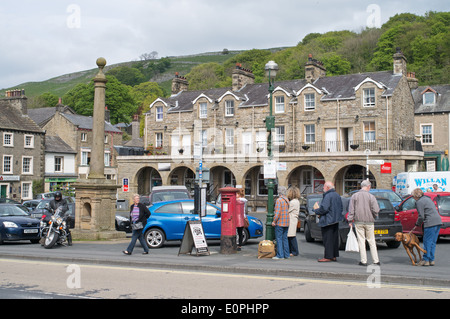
[194,237]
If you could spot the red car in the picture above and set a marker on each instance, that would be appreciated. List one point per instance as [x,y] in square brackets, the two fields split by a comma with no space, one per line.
[407,213]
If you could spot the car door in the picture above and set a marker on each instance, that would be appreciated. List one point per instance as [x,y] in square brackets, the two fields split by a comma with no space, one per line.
[211,222]
[408,214]
[169,218]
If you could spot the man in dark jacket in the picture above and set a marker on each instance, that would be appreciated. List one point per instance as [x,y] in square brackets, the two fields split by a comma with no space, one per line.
[330,214]
[55,203]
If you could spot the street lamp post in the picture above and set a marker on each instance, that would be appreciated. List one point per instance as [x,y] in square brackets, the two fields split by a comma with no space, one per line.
[271,71]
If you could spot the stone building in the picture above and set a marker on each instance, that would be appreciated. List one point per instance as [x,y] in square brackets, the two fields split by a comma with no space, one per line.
[21,148]
[76,131]
[432,124]
[326,128]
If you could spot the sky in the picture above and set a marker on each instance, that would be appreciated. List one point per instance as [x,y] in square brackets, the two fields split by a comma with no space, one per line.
[48,38]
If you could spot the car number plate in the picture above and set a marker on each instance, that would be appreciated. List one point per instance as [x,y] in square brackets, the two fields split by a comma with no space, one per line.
[381,231]
[30,231]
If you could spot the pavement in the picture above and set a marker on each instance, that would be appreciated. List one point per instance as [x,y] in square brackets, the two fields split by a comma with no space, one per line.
[395,265]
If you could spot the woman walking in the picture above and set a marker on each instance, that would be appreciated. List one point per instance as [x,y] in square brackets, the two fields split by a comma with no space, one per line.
[138,218]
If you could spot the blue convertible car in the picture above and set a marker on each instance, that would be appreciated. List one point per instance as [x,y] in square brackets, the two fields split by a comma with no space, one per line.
[168,221]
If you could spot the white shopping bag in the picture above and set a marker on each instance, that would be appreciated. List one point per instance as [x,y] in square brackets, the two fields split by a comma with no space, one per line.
[352,242]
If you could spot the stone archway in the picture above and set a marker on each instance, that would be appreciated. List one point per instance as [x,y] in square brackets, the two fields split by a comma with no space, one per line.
[349,178]
[182,175]
[146,178]
[307,178]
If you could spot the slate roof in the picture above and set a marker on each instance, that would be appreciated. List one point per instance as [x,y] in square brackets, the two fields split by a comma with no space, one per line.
[43,114]
[12,119]
[54,144]
[442,104]
[333,88]
[86,122]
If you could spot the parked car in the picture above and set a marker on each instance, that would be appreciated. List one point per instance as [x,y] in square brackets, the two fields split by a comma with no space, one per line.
[123,223]
[49,195]
[40,210]
[165,193]
[17,225]
[31,204]
[168,221]
[387,224]
[395,198]
[8,201]
[408,213]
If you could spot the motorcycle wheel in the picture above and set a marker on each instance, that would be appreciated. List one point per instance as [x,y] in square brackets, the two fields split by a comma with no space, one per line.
[51,240]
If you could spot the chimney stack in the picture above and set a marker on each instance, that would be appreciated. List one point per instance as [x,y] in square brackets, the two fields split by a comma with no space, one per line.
[179,83]
[241,77]
[314,69]
[17,99]
[399,62]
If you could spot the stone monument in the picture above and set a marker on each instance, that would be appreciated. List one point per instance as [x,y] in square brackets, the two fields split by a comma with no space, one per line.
[95,199]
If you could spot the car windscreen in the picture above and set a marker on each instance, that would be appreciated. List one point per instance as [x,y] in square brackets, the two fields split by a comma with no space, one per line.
[7,210]
[166,196]
[393,197]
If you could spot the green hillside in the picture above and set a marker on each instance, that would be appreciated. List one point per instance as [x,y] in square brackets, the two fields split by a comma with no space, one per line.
[424,40]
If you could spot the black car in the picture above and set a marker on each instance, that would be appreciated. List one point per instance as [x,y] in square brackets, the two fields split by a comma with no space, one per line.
[41,210]
[386,224]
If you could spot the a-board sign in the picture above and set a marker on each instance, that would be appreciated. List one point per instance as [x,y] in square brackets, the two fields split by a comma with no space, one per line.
[194,237]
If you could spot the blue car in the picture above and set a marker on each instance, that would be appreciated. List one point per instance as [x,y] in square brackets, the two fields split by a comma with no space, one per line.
[168,221]
[389,194]
[15,224]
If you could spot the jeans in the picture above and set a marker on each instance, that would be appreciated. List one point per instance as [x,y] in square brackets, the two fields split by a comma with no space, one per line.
[293,245]
[282,241]
[137,234]
[430,237]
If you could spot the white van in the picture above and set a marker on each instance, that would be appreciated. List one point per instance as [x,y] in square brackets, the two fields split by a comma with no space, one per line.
[408,181]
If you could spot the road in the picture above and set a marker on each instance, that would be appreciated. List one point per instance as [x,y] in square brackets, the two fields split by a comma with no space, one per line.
[21,279]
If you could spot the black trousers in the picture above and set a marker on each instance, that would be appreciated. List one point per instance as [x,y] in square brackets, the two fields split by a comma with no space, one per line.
[330,237]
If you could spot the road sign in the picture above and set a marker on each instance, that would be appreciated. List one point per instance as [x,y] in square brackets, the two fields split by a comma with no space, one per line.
[125,185]
[375,162]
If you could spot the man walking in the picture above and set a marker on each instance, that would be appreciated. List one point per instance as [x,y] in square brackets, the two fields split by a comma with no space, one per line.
[330,214]
[363,211]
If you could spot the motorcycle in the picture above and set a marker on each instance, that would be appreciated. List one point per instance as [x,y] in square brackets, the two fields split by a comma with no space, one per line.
[54,229]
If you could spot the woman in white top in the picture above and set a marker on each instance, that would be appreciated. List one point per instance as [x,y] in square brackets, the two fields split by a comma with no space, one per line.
[293,195]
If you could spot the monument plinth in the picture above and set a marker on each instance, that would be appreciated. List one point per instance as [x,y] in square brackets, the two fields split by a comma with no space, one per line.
[95,200]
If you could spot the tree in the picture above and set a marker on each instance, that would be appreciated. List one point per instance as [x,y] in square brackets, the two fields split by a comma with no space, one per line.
[120,102]
[206,76]
[127,75]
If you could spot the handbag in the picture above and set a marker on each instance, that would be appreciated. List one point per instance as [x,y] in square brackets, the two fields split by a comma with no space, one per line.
[246,222]
[352,242]
[137,226]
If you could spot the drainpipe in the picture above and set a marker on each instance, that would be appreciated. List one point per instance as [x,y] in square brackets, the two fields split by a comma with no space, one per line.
[387,123]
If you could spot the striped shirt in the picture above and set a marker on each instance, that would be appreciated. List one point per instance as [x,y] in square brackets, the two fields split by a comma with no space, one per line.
[281,217]
[135,214]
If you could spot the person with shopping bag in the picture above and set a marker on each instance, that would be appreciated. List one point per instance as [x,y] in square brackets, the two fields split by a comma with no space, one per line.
[363,211]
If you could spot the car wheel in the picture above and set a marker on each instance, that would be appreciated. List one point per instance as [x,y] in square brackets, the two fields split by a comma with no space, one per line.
[308,236]
[246,236]
[155,238]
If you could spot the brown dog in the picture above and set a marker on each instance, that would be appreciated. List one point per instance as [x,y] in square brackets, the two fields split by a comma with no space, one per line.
[410,241]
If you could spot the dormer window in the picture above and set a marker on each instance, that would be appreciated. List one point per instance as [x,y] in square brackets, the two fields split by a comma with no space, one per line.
[310,102]
[229,108]
[429,98]
[159,113]
[279,104]
[369,97]
[203,110]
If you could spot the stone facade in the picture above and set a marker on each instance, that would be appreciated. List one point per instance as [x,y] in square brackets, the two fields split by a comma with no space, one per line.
[326,129]
[22,147]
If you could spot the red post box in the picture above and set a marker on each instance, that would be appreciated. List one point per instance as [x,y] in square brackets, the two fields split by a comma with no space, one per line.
[228,226]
